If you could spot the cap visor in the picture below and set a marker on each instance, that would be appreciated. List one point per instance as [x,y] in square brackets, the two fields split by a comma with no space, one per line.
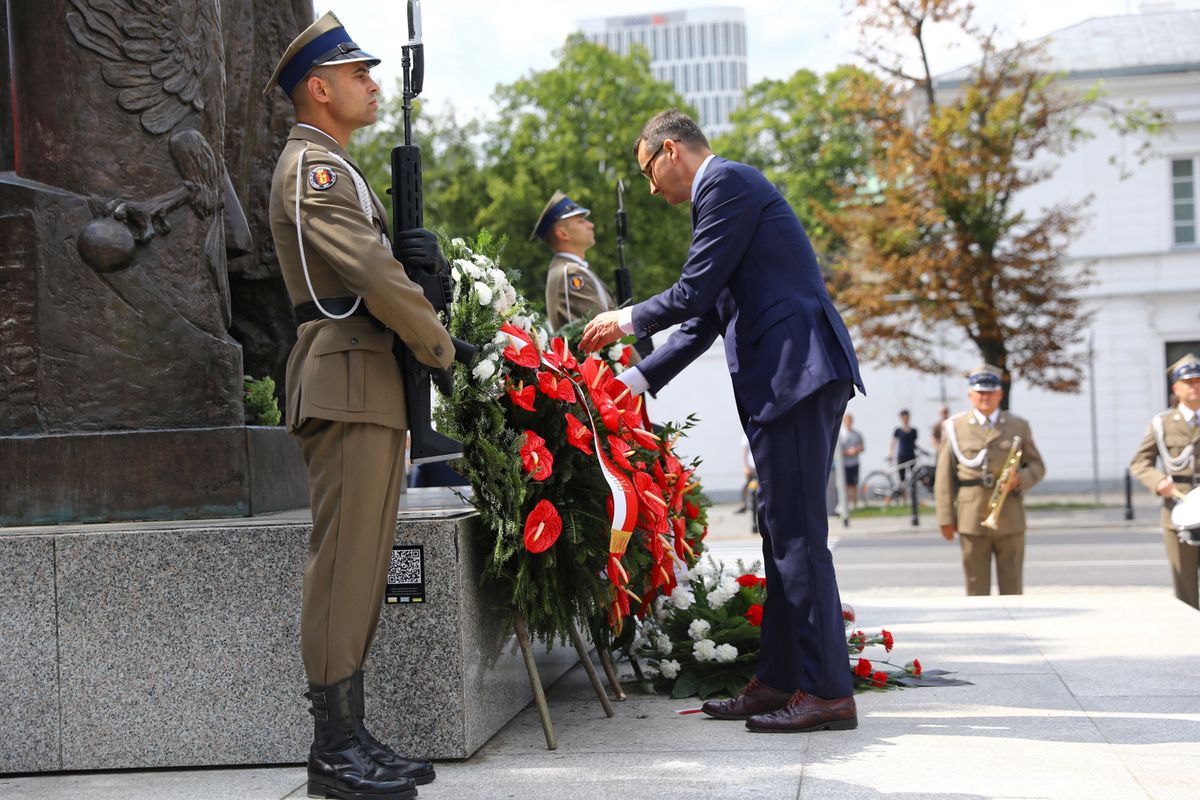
[354,55]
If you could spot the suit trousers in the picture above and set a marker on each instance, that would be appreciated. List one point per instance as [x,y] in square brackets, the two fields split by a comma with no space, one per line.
[355,475]
[1185,563]
[977,552]
[803,637]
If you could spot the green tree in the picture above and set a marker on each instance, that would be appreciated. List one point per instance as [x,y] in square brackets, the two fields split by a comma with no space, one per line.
[807,137]
[572,128]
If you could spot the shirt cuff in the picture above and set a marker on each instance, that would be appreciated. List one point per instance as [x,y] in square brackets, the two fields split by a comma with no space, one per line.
[625,319]
[635,380]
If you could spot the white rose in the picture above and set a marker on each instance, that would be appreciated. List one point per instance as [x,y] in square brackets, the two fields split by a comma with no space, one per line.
[699,629]
[484,370]
[705,650]
[726,653]
[484,292]
[669,669]
[681,598]
[662,643]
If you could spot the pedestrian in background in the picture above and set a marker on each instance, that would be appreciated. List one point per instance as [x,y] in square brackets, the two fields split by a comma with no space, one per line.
[852,444]
[903,449]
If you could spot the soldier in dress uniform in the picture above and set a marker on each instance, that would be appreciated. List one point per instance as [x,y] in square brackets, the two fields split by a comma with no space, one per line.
[975,445]
[572,289]
[345,397]
[1172,439]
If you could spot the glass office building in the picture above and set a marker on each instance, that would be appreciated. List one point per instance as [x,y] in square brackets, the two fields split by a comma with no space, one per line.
[702,52]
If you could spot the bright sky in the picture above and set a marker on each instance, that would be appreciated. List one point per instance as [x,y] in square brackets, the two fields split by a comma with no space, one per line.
[472,45]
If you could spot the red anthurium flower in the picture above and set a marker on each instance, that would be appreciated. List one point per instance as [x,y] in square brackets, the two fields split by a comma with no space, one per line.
[626,355]
[682,548]
[644,438]
[527,356]
[863,668]
[562,353]
[879,679]
[553,387]
[522,396]
[579,435]
[542,527]
[610,415]
[595,374]
[754,615]
[747,580]
[536,459]
[690,511]
[620,452]
[888,642]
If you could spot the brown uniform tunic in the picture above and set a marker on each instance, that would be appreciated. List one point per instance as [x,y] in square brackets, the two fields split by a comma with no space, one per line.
[574,291]
[1178,435]
[965,506]
[345,397]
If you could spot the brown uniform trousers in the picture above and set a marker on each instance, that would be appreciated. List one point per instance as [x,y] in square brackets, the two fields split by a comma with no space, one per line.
[1178,433]
[345,398]
[965,507]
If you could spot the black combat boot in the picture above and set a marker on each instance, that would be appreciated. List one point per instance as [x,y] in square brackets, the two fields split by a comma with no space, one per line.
[420,771]
[338,764]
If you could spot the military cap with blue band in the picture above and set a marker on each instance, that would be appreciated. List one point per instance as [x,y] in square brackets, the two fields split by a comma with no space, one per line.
[985,378]
[324,42]
[1184,369]
[559,207]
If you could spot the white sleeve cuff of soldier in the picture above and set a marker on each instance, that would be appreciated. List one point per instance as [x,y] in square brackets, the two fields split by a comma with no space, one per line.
[625,319]
[635,380]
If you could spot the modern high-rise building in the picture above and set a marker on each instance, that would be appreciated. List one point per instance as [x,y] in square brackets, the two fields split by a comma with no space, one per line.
[701,51]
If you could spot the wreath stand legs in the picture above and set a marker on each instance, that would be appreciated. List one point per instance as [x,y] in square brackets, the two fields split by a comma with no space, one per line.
[614,682]
[535,680]
[586,660]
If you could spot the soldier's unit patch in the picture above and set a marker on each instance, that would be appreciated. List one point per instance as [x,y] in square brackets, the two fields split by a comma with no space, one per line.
[322,177]
[576,282]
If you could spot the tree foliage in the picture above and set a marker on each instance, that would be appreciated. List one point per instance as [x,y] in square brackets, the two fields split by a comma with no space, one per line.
[935,236]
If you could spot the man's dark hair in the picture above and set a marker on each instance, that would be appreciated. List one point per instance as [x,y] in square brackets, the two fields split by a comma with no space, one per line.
[670,124]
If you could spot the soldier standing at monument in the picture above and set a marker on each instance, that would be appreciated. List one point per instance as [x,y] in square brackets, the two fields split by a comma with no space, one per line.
[345,400]
[975,446]
[572,289]
[1172,438]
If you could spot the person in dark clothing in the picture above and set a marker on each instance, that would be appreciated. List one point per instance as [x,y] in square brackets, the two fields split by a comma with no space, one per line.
[903,448]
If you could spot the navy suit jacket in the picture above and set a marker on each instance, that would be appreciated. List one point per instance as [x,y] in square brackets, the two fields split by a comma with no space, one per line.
[750,276]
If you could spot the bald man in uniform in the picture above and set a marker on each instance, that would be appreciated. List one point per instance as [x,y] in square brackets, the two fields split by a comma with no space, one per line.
[345,397]
[975,445]
[1172,440]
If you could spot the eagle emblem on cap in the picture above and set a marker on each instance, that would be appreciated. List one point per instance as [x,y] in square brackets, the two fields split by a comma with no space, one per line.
[322,178]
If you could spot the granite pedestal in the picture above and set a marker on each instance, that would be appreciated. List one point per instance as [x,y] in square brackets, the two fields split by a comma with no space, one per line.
[164,645]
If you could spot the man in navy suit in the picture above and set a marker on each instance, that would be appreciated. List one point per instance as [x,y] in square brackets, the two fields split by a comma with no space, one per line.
[751,277]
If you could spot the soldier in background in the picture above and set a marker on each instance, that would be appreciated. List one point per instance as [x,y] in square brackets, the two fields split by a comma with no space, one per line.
[975,445]
[572,289]
[1171,439]
[345,394]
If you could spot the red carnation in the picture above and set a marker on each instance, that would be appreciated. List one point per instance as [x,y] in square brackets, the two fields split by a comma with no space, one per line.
[536,459]
[761,581]
[578,434]
[863,668]
[888,643]
[847,613]
[754,615]
[916,666]
[542,527]
[522,396]
[747,580]
[879,679]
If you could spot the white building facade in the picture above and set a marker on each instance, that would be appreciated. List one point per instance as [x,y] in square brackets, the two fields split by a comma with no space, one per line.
[1140,242]
[701,52]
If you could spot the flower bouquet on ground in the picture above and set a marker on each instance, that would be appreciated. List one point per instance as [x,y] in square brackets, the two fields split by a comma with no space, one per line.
[881,674]
[565,471]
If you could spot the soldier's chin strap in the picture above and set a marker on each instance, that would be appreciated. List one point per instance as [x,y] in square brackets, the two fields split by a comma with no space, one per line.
[300,235]
[1172,465]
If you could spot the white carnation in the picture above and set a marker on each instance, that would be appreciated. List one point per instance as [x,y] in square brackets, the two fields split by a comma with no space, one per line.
[705,650]
[524,323]
[459,242]
[616,351]
[484,292]
[481,260]
[484,370]
[501,338]
[662,643]
[726,653]
[502,304]
[498,277]
[699,629]
[669,668]
[472,270]
[510,293]
[681,598]
[456,274]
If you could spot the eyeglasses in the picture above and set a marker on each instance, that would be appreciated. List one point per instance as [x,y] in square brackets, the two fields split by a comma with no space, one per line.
[646,170]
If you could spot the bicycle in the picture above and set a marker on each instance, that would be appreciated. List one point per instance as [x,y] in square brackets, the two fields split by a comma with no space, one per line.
[884,486]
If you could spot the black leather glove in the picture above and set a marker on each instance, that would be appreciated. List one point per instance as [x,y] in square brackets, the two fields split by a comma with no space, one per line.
[418,248]
[465,353]
[443,379]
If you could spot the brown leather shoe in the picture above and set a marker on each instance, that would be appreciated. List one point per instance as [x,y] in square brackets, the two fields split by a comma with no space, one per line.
[756,698]
[804,712]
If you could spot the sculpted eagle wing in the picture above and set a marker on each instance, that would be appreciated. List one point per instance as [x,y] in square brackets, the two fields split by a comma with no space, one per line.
[154,52]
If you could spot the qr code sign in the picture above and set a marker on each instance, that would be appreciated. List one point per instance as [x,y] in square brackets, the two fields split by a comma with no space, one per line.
[405,566]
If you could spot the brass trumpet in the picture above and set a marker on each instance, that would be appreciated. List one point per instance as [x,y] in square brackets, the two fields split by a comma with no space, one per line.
[1000,493]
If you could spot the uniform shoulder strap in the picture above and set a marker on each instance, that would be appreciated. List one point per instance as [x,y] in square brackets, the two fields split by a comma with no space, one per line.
[952,438]
[1178,463]
[300,234]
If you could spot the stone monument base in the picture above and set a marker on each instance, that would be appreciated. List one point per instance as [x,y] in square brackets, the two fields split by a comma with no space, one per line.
[177,644]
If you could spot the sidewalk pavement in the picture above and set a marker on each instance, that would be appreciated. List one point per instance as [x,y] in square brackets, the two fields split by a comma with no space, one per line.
[1087,694]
